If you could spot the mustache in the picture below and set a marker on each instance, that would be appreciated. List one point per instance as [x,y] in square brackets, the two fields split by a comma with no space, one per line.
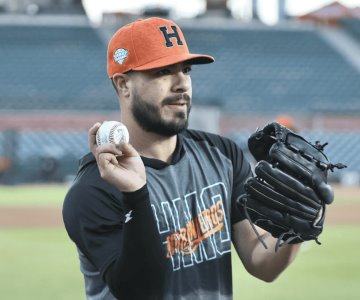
[174,99]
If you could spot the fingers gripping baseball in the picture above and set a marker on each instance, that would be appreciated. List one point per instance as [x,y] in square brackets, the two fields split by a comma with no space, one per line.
[119,164]
[92,137]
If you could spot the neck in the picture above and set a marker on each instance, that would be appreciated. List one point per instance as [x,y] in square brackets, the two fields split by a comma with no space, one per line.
[149,144]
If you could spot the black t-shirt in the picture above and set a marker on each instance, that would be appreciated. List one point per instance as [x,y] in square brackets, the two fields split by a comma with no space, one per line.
[192,201]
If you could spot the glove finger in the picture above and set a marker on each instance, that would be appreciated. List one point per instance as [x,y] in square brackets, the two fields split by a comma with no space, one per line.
[294,163]
[305,170]
[325,192]
[272,199]
[264,217]
[277,222]
[287,185]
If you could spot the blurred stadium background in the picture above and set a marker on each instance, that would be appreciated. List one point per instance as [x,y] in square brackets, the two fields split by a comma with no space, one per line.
[302,70]
[53,83]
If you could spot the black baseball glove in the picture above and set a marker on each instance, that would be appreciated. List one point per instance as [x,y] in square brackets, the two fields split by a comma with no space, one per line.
[289,193]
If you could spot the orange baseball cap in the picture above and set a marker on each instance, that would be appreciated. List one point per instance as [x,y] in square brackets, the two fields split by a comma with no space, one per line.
[148,44]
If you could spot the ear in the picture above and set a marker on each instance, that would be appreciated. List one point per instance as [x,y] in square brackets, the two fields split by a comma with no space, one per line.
[121,83]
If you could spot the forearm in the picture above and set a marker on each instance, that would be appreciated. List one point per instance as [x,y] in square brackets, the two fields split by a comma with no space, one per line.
[141,265]
[266,264]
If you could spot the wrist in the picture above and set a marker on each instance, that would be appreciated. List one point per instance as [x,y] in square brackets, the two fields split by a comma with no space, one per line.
[135,199]
[133,187]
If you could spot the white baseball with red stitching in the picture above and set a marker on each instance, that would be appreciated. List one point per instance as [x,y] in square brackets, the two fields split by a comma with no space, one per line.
[112,132]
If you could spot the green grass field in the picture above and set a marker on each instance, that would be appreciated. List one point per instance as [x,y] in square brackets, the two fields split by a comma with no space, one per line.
[42,264]
[32,195]
[326,272]
[38,264]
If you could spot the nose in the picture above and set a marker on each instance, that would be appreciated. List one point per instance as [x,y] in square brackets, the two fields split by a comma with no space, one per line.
[181,82]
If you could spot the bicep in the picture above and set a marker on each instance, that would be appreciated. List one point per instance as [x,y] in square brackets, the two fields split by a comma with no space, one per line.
[94,224]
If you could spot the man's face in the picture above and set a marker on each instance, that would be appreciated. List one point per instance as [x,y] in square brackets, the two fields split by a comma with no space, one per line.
[161,99]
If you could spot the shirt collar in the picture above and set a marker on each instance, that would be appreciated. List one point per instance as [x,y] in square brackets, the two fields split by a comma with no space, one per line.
[176,156]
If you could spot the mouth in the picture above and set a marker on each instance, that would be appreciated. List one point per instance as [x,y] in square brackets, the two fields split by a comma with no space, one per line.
[181,100]
[178,104]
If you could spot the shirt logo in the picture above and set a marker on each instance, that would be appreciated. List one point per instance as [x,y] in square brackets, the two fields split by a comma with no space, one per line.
[195,227]
[188,238]
[128,216]
[120,55]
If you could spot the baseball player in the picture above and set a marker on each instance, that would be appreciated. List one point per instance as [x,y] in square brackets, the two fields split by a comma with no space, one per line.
[155,218]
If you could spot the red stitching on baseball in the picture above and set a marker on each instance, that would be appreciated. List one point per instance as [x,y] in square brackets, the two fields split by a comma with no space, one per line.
[111,135]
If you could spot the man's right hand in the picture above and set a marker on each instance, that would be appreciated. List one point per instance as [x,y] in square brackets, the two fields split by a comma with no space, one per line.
[120,165]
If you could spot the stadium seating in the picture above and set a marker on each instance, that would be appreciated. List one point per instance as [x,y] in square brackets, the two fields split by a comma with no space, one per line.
[53,68]
[53,155]
[352,26]
[273,71]
[257,71]
[45,155]
[267,70]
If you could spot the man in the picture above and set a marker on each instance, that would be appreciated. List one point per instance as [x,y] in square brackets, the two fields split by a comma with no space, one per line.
[155,218]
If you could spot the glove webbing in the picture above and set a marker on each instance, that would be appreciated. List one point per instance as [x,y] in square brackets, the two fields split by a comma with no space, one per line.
[322,165]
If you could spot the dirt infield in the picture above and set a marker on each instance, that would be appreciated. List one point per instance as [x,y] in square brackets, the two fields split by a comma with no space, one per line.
[347,214]
[344,210]
[30,217]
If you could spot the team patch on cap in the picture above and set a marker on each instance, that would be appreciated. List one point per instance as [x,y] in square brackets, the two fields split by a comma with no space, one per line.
[120,55]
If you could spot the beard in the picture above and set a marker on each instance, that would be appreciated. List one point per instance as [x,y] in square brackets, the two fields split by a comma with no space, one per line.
[148,116]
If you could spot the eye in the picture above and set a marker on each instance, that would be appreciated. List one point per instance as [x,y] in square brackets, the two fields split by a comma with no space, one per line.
[187,70]
[163,72]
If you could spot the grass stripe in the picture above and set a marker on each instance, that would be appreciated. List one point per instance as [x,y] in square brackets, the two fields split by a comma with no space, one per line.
[42,264]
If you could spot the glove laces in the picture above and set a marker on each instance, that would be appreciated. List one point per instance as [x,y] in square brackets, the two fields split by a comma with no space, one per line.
[243,199]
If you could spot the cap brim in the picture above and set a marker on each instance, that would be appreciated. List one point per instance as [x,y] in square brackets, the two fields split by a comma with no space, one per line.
[194,59]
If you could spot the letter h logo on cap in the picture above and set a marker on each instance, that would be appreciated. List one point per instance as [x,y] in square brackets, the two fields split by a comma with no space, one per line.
[168,36]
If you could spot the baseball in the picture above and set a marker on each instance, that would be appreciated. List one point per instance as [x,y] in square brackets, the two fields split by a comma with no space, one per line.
[112,132]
